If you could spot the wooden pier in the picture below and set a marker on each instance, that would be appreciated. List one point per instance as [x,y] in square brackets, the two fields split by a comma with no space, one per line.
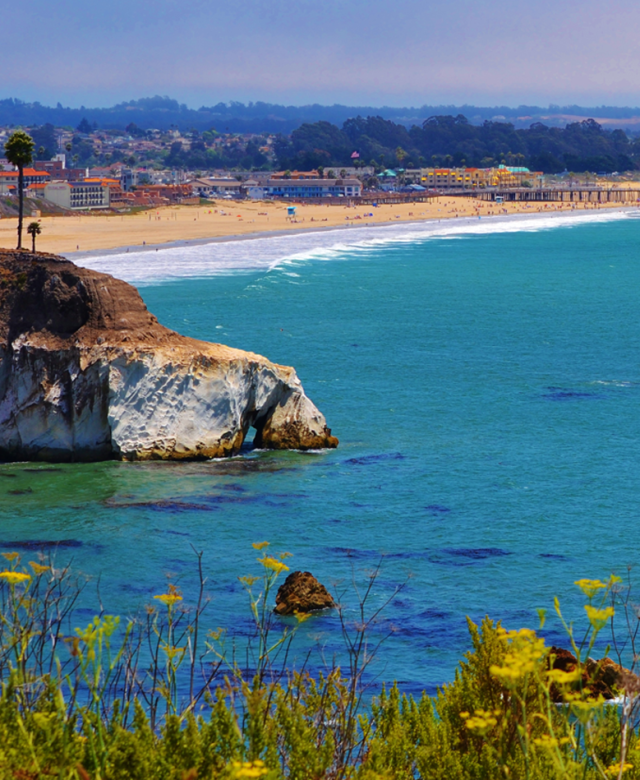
[553,195]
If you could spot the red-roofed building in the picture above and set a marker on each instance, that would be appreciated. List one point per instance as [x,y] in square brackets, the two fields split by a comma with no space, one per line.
[36,190]
[31,176]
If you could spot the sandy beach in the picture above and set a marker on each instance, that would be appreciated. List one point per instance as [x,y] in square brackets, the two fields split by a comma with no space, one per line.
[155,227]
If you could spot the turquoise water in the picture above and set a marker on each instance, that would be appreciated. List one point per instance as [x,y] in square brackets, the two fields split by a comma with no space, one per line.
[485,390]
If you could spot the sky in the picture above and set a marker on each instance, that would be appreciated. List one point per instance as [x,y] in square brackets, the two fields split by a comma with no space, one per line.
[355,52]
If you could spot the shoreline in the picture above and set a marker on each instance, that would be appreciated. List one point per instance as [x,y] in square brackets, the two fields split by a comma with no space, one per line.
[451,223]
[170,227]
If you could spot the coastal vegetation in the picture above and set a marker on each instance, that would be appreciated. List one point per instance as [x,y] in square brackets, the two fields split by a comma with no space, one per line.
[163,695]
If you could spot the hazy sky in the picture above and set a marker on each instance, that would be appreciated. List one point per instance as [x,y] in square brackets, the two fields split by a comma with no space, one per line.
[374,52]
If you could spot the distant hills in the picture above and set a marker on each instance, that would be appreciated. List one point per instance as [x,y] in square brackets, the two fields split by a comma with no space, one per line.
[164,113]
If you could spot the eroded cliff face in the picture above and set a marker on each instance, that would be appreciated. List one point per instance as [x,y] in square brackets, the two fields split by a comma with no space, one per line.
[87,373]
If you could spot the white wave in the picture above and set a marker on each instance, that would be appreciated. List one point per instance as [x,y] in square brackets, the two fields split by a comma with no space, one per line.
[614,382]
[188,260]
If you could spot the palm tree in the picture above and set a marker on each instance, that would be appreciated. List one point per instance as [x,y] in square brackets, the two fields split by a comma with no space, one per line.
[34,229]
[19,151]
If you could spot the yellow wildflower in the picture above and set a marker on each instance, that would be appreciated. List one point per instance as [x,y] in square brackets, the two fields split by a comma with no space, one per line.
[302,616]
[269,562]
[526,651]
[560,677]
[590,587]
[11,556]
[168,598]
[38,567]
[481,721]
[14,577]
[172,652]
[260,545]
[545,741]
[598,617]
[248,581]
[614,769]
[248,769]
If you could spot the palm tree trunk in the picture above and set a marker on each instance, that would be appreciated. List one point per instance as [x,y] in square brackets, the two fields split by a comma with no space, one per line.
[33,242]
[20,203]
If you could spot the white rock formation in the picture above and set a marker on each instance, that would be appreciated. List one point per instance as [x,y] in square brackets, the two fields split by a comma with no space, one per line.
[86,373]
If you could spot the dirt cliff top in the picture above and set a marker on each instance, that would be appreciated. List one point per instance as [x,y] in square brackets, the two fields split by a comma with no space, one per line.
[60,303]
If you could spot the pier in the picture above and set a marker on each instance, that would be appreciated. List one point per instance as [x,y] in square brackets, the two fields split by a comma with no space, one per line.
[552,194]
[507,195]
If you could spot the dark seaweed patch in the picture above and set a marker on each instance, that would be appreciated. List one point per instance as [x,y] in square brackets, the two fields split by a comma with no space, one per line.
[237,467]
[161,505]
[553,556]
[353,552]
[47,470]
[9,476]
[435,614]
[437,509]
[233,498]
[367,460]
[563,394]
[37,544]
[476,553]
[464,556]
[407,555]
[202,503]
[23,492]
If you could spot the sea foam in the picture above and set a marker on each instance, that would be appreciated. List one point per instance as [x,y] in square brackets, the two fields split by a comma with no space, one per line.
[189,260]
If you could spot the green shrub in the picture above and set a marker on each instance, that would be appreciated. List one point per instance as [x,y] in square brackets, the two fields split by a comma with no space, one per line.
[93,708]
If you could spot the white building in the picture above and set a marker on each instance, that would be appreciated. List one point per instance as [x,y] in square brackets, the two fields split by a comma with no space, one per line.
[212,187]
[308,188]
[79,195]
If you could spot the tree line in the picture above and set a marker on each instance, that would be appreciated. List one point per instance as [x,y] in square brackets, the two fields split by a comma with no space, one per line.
[452,141]
[163,113]
[439,141]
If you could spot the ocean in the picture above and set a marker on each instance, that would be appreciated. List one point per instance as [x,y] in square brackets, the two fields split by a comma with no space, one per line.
[484,381]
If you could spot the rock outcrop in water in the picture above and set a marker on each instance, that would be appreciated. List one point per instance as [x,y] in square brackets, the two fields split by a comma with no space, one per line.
[87,373]
[603,678]
[301,592]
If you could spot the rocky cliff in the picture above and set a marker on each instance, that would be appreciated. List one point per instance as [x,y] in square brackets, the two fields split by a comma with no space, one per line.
[87,373]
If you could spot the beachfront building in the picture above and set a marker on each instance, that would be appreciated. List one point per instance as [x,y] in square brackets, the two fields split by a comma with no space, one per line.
[31,176]
[503,176]
[307,188]
[216,187]
[79,195]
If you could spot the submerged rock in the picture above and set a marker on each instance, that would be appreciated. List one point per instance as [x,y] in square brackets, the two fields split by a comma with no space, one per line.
[301,592]
[87,373]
